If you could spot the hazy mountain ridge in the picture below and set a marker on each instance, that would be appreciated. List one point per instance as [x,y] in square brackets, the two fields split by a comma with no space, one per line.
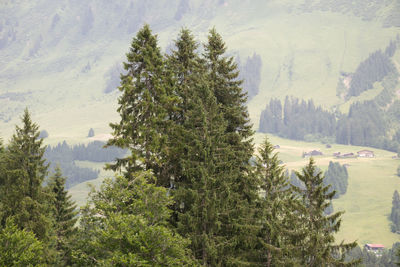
[65,54]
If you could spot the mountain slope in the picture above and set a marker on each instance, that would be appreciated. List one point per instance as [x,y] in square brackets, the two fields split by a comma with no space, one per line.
[60,56]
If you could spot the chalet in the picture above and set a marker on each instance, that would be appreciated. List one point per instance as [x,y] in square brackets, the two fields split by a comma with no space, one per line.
[376,248]
[336,154]
[365,154]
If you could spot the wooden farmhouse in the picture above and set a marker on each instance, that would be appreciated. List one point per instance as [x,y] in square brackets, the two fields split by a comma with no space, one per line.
[365,154]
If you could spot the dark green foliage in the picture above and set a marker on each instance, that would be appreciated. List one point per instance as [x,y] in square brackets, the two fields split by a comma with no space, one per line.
[125,223]
[143,106]
[250,73]
[19,247]
[373,69]
[90,133]
[21,191]
[22,195]
[277,211]
[64,214]
[318,248]
[297,119]
[395,214]
[364,125]
[336,176]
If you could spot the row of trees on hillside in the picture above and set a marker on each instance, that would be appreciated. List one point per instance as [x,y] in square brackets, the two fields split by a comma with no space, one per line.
[366,124]
[371,70]
[297,119]
[64,156]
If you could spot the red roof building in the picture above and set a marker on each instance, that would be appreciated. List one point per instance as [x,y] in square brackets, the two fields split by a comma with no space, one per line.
[374,246]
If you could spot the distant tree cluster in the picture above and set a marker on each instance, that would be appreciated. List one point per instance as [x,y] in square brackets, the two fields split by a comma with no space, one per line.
[371,70]
[250,73]
[297,119]
[337,177]
[395,214]
[65,155]
[367,123]
[62,156]
[364,125]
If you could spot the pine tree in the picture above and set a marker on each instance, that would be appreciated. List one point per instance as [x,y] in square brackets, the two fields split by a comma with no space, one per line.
[64,216]
[226,87]
[205,197]
[223,77]
[277,210]
[142,106]
[318,248]
[186,72]
[22,194]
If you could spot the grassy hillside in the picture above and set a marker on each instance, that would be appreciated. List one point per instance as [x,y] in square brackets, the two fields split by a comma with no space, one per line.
[61,67]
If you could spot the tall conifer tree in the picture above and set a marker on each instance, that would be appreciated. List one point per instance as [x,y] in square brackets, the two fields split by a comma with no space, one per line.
[226,87]
[142,106]
[277,211]
[22,193]
[318,247]
[64,216]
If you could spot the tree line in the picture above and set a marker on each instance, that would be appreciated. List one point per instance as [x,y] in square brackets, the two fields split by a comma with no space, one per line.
[186,194]
[64,156]
[368,123]
[297,119]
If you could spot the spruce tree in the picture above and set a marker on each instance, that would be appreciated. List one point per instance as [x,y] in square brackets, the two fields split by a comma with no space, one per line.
[224,83]
[142,106]
[277,211]
[64,216]
[207,210]
[318,245]
[22,193]
[187,73]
